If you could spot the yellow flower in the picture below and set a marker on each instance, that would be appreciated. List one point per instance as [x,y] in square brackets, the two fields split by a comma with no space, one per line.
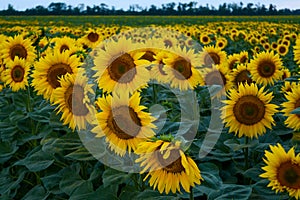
[282,170]
[16,73]
[17,47]
[265,68]
[168,166]
[120,68]
[181,68]
[248,112]
[72,101]
[293,102]
[212,56]
[49,69]
[123,122]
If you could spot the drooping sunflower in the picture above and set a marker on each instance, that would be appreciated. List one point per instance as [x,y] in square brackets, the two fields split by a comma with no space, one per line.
[181,68]
[282,170]
[212,56]
[248,112]
[17,46]
[48,70]
[265,68]
[293,102]
[240,75]
[16,73]
[119,67]
[123,122]
[168,166]
[73,102]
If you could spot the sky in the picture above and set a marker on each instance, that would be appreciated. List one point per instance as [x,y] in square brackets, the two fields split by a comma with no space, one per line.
[24,4]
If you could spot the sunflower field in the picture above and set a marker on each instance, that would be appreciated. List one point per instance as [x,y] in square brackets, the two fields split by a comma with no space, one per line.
[143,108]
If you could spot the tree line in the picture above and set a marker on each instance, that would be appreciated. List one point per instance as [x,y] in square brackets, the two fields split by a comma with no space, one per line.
[172,8]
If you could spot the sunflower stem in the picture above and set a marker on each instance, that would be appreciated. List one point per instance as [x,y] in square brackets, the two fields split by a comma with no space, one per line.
[154,93]
[191,194]
[246,152]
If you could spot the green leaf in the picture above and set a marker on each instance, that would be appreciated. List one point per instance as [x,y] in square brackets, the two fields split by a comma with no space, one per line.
[296,111]
[231,191]
[10,181]
[104,193]
[114,177]
[155,195]
[261,191]
[81,154]
[36,160]
[36,193]
[7,150]
[51,183]
[83,191]
[71,179]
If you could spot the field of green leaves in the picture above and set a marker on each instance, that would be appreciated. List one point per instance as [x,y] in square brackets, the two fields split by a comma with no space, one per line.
[149,107]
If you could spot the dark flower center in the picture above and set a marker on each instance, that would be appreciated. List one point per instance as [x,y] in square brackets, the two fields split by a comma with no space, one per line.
[288,174]
[124,122]
[122,69]
[55,72]
[18,50]
[17,73]
[249,110]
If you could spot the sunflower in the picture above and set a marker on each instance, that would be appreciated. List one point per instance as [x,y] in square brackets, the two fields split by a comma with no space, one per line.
[205,39]
[287,87]
[285,73]
[243,57]
[17,46]
[282,49]
[16,73]
[73,102]
[49,69]
[248,111]
[91,38]
[265,68]
[180,67]
[282,170]
[66,44]
[157,70]
[212,55]
[123,122]
[293,102]
[120,68]
[274,45]
[221,43]
[168,166]
[233,60]
[297,50]
[218,75]
[240,75]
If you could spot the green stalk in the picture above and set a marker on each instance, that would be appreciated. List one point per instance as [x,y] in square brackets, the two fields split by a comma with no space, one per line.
[246,153]
[191,194]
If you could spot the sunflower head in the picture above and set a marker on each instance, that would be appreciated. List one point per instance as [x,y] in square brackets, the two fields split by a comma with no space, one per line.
[123,122]
[212,55]
[266,68]
[282,170]
[166,161]
[248,111]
